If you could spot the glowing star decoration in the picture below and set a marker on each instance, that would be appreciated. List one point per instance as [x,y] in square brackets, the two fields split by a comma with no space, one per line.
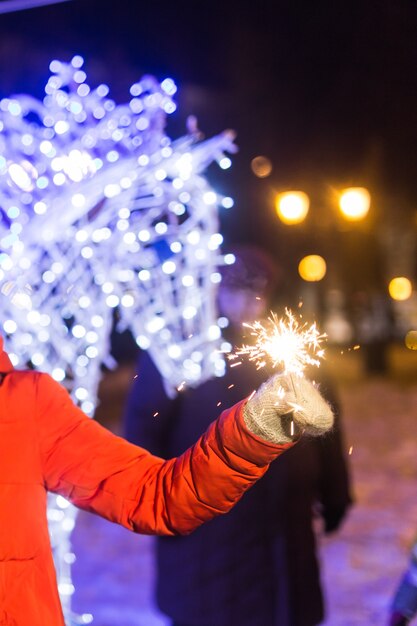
[100,209]
[284,344]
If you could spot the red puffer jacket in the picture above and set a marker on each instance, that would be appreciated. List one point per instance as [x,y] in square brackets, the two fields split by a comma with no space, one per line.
[47,443]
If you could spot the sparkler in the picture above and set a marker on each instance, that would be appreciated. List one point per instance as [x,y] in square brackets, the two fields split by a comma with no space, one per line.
[284,343]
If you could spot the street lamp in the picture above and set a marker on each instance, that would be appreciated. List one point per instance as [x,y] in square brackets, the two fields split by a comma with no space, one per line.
[400,288]
[411,340]
[312,268]
[292,206]
[354,203]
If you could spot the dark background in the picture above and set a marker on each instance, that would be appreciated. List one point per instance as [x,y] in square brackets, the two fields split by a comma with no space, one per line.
[325,89]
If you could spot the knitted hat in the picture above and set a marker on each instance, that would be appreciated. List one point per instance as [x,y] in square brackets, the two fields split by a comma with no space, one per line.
[5,362]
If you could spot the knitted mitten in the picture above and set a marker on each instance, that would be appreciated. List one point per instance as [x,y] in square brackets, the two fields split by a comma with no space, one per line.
[286,406]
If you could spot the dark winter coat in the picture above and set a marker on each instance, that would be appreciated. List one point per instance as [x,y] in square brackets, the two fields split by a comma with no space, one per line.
[257,565]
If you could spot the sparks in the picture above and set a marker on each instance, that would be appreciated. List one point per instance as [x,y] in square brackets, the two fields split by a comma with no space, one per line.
[284,343]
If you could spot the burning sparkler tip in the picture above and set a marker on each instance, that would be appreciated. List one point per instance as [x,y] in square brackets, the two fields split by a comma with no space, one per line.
[285,343]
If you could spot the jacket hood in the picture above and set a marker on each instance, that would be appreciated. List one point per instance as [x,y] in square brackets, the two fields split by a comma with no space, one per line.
[5,362]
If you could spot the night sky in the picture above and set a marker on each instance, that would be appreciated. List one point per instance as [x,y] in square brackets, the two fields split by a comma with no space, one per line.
[326,89]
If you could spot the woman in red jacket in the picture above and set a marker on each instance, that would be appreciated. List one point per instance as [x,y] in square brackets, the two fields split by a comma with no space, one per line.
[48,444]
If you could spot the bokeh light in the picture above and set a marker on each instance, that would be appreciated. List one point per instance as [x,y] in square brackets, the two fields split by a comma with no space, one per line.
[261,166]
[411,340]
[354,203]
[400,288]
[312,268]
[292,206]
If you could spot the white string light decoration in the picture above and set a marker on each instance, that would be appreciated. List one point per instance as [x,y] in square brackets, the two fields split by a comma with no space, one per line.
[100,209]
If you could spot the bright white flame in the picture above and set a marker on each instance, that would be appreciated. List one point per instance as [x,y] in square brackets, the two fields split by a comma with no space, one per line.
[284,343]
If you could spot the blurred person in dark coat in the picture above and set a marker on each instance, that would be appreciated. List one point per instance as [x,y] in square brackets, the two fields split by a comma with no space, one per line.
[257,565]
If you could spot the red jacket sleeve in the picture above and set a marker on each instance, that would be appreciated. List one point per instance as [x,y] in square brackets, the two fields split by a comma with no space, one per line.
[105,474]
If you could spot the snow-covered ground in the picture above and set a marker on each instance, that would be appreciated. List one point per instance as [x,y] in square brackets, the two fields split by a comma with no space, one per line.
[361,564]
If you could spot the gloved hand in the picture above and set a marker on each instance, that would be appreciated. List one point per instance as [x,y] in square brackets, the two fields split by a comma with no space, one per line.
[286,406]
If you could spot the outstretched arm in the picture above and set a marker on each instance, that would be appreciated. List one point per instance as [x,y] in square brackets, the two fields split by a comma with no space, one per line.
[105,474]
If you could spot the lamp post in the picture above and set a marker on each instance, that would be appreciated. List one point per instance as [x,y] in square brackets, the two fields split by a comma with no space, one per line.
[332,243]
